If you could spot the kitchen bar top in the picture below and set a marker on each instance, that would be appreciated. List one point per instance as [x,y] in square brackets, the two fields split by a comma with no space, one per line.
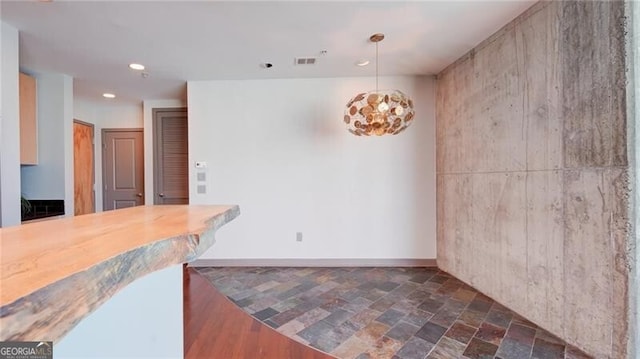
[54,273]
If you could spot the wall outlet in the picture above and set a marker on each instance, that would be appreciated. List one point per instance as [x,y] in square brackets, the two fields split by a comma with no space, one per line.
[298,236]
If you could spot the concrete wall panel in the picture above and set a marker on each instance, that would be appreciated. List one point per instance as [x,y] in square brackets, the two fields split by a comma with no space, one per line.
[537,49]
[499,227]
[593,83]
[533,121]
[455,222]
[587,258]
[544,258]
[489,145]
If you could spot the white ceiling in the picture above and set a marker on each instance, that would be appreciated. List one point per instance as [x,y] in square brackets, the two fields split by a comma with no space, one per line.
[180,41]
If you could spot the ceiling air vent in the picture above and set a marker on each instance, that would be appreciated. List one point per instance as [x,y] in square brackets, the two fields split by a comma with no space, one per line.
[305,60]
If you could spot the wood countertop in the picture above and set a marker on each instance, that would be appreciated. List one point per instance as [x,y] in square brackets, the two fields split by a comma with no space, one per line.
[54,273]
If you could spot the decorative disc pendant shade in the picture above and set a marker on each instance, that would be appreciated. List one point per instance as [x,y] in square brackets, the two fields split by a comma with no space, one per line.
[378,112]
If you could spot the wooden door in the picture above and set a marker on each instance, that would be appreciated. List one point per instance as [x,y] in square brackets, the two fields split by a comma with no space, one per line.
[171,156]
[122,168]
[28,123]
[83,168]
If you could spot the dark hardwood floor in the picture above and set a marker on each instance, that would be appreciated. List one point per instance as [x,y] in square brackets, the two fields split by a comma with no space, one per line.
[215,328]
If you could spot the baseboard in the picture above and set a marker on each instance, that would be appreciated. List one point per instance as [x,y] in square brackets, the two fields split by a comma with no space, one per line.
[324,262]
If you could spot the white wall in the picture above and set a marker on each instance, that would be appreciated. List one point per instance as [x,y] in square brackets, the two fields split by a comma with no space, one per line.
[144,320]
[52,178]
[67,125]
[279,149]
[9,128]
[148,107]
[106,116]
[85,111]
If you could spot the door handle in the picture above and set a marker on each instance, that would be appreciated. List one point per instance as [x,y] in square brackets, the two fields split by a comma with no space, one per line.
[139,195]
[160,194]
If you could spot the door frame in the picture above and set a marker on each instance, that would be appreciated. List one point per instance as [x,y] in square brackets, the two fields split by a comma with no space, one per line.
[156,146]
[93,154]
[104,163]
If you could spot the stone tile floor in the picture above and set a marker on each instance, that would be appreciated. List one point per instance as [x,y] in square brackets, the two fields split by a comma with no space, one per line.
[397,313]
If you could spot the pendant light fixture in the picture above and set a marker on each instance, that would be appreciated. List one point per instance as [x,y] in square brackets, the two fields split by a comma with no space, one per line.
[378,112]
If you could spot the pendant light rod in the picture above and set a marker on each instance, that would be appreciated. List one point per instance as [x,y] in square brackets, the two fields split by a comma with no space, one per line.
[376,67]
[376,38]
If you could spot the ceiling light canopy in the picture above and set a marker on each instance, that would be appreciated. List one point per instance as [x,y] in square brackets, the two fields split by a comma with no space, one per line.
[378,112]
[108,95]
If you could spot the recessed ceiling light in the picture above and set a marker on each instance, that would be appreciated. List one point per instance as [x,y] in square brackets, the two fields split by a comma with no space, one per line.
[108,95]
[136,67]
[362,63]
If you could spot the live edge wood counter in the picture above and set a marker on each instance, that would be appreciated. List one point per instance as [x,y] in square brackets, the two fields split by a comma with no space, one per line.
[54,273]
